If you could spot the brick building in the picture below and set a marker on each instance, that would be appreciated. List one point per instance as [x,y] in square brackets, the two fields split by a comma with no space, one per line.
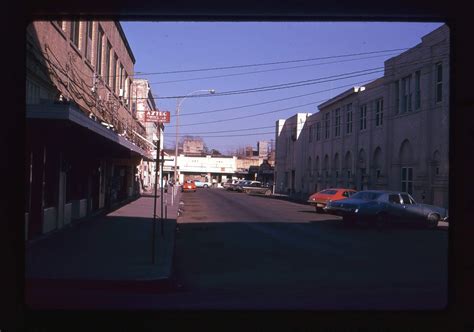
[83,142]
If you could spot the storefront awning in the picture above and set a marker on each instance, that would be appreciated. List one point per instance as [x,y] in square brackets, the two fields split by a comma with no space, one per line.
[67,112]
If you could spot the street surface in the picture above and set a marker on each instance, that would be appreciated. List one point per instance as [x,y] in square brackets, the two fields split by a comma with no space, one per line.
[236,251]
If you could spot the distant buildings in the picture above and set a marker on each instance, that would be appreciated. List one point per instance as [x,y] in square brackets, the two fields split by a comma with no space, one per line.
[391,134]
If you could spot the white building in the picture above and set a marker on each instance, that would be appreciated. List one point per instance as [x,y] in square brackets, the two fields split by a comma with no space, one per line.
[209,168]
[391,134]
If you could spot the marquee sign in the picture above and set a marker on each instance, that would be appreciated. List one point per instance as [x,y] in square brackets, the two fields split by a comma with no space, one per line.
[157,116]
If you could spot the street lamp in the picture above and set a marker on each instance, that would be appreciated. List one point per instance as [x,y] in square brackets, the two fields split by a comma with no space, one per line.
[178,105]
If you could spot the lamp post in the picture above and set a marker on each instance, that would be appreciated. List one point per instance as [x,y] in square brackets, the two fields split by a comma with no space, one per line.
[178,105]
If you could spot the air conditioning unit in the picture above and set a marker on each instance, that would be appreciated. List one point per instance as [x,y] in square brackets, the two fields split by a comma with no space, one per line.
[121,93]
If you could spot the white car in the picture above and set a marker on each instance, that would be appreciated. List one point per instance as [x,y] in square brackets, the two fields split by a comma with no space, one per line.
[202,184]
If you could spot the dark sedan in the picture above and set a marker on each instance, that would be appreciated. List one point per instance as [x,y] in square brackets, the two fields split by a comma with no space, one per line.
[258,188]
[379,207]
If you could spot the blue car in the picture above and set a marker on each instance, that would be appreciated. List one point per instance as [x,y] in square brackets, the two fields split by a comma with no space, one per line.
[379,207]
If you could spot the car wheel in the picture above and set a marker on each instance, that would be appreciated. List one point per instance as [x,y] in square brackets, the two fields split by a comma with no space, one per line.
[205,186]
[433,220]
[268,192]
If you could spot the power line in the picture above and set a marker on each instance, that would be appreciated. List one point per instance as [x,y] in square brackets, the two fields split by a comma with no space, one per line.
[266,70]
[267,63]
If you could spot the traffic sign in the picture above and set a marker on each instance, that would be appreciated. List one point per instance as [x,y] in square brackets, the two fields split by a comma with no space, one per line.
[157,116]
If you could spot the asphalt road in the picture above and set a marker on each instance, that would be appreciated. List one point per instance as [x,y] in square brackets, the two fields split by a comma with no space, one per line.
[237,251]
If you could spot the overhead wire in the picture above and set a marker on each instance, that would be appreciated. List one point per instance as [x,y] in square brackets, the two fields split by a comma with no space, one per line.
[268,63]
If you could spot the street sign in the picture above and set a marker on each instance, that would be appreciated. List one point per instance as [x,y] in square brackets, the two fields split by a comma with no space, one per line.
[157,116]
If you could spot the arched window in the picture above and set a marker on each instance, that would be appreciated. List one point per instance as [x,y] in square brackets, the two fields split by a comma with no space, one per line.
[336,165]
[377,162]
[406,167]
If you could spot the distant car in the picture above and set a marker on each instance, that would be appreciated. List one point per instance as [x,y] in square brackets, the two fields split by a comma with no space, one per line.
[228,185]
[188,186]
[378,207]
[234,186]
[242,186]
[258,188]
[320,199]
[202,184]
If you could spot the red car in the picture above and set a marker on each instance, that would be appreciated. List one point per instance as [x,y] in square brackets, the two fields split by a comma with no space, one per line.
[188,186]
[320,199]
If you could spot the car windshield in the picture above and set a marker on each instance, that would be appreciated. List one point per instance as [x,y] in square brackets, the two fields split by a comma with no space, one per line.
[407,199]
[366,195]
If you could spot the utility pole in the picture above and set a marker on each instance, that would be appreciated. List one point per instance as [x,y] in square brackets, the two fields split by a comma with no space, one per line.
[157,164]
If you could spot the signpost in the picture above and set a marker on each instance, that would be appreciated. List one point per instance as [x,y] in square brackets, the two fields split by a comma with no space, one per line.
[157,117]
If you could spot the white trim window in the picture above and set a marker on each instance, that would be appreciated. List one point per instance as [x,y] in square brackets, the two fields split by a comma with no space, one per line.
[439,82]
[337,120]
[349,119]
[407,179]
[88,40]
[379,112]
[363,117]
[74,35]
[417,90]
[98,63]
[406,90]
[327,122]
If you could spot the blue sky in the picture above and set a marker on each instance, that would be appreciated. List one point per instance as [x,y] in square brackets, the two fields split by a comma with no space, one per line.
[174,46]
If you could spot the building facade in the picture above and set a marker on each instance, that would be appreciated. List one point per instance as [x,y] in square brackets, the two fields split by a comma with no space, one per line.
[83,143]
[393,133]
[142,100]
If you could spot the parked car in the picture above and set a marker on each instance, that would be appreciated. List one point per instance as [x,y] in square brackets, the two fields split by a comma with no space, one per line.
[202,184]
[189,185]
[228,185]
[320,199]
[234,186]
[258,188]
[378,207]
[242,186]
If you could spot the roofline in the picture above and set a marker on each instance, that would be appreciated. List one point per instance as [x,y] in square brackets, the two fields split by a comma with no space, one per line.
[127,45]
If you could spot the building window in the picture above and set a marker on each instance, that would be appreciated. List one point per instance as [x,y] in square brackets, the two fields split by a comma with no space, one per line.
[60,24]
[349,119]
[113,74]
[377,173]
[406,89]
[437,171]
[337,118]
[107,63]
[318,131]
[379,112]
[121,76]
[363,117]
[417,90]
[75,33]
[98,62]
[310,134]
[88,40]
[349,174]
[407,180]
[326,123]
[439,82]
[397,97]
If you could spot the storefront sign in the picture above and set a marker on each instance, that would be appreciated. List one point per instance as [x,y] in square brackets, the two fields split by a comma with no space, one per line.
[157,116]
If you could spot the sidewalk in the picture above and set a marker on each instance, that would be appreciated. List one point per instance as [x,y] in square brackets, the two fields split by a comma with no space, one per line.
[113,250]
